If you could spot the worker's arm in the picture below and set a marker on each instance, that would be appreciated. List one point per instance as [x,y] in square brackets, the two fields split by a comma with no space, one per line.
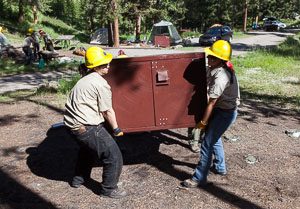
[209,108]
[110,117]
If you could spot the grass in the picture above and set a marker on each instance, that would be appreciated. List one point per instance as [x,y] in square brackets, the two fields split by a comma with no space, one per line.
[12,67]
[54,27]
[240,34]
[272,74]
[65,85]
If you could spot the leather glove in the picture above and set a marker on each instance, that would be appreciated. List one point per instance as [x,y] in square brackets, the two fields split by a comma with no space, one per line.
[201,125]
[118,132]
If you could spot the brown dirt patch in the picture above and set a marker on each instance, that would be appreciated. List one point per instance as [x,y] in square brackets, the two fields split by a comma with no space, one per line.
[37,163]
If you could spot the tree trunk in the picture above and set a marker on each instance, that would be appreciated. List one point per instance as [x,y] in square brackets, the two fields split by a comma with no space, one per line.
[92,25]
[110,39]
[116,32]
[138,27]
[34,11]
[21,11]
[245,16]
[116,24]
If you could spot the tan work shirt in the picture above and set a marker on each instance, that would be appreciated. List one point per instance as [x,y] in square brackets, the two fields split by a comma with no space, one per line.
[220,86]
[90,96]
[28,41]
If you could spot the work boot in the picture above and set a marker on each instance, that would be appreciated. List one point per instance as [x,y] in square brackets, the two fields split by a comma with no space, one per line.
[194,146]
[77,181]
[215,171]
[116,194]
[191,183]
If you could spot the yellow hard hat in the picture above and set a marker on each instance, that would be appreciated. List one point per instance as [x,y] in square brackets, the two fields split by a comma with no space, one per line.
[1,29]
[220,49]
[30,31]
[96,56]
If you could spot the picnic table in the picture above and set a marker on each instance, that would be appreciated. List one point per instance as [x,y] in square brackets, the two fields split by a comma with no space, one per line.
[64,40]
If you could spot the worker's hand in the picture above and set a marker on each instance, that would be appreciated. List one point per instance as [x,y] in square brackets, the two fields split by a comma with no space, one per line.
[118,132]
[201,125]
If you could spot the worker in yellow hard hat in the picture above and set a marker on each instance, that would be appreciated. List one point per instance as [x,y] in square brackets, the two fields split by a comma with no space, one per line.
[121,54]
[220,113]
[88,106]
[30,31]
[28,46]
[3,40]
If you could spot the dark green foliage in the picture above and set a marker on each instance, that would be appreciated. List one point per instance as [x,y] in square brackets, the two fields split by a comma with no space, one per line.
[88,15]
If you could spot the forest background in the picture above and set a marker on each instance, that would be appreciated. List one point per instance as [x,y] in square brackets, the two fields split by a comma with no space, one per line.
[138,16]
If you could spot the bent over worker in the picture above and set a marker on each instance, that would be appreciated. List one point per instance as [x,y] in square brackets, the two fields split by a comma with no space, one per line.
[47,40]
[220,112]
[88,106]
[28,43]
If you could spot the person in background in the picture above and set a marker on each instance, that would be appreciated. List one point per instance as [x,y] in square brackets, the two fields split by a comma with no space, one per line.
[47,40]
[28,43]
[220,113]
[36,45]
[121,54]
[88,106]
[3,40]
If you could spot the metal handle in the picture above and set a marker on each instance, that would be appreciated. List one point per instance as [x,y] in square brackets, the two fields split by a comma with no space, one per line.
[162,77]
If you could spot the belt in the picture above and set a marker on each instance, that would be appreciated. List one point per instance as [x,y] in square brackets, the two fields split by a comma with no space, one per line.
[82,129]
[79,131]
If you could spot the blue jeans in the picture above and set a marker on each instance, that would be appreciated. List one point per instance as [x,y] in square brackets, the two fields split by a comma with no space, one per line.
[219,122]
[97,143]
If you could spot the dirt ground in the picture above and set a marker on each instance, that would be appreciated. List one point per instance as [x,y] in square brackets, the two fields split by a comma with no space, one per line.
[37,162]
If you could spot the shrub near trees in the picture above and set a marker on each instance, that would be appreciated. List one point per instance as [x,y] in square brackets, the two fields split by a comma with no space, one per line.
[138,16]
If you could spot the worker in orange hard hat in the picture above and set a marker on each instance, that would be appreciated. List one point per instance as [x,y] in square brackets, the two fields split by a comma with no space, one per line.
[88,106]
[220,113]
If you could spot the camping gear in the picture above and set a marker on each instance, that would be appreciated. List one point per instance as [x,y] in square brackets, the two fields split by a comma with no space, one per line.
[164,28]
[100,36]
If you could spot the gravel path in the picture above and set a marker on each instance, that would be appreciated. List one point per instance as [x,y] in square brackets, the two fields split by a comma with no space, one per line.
[240,46]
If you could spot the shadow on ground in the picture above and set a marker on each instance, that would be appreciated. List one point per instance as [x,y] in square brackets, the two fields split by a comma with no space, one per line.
[14,195]
[55,157]
[230,197]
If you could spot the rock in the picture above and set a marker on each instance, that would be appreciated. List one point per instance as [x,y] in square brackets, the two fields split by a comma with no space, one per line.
[53,85]
[293,133]
[231,138]
[49,86]
[250,159]
[65,60]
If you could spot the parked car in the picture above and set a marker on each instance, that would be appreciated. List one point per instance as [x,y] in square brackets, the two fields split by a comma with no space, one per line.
[215,33]
[272,24]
